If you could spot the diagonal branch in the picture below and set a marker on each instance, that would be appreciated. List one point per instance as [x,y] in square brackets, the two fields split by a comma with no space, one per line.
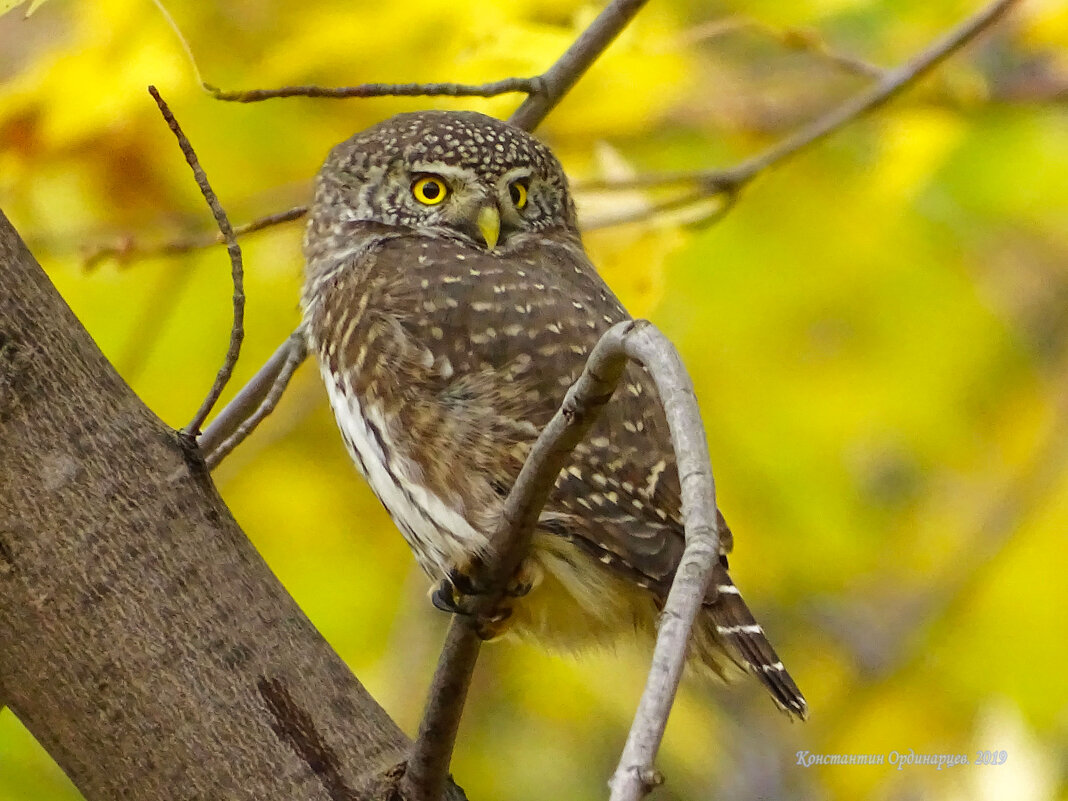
[572,65]
[237,330]
[242,414]
[291,353]
[733,179]
[634,340]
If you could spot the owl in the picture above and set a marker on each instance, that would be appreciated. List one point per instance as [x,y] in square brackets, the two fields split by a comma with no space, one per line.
[451,304]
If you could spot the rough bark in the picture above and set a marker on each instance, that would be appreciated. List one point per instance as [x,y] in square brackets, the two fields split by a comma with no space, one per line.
[143,641]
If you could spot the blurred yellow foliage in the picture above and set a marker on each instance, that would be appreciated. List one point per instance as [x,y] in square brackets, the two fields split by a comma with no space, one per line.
[878,334]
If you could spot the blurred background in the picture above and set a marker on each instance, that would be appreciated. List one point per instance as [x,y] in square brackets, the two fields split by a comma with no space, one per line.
[878,332]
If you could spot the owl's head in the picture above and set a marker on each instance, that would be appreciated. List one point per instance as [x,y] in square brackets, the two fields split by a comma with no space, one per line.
[457,174]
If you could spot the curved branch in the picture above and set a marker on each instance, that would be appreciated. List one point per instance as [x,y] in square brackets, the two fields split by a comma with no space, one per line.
[635,774]
[128,249]
[640,341]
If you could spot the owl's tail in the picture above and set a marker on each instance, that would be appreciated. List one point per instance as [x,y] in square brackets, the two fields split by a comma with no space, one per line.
[727,626]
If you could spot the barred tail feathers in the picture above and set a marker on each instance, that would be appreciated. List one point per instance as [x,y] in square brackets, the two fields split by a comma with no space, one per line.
[728,625]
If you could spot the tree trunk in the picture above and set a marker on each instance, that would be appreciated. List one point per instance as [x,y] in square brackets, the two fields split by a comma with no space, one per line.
[143,641]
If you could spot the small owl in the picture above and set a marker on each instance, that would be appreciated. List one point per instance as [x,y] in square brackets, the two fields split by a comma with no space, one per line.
[451,304]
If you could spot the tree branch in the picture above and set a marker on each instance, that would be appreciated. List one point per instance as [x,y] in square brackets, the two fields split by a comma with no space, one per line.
[146,645]
[128,249]
[732,180]
[700,185]
[633,340]
[635,775]
[293,351]
[492,89]
[237,330]
[572,65]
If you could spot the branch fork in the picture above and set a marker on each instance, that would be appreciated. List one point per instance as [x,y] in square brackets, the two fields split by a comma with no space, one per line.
[639,341]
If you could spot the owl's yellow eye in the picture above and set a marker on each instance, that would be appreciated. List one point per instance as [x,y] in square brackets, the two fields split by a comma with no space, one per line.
[518,191]
[429,190]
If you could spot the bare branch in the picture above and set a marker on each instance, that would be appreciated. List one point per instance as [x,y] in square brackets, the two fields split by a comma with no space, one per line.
[894,82]
[708,182]
[128,249]
[243,413]
[691,213]
[635,775]
[804,40]
[237,331]
[492,89]
[572,65]
[640,341]
[712,182]
[429,763]
[294,352]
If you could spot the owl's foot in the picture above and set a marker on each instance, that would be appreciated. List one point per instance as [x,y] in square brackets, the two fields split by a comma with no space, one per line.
[466,579]
[488,625]
[459,593]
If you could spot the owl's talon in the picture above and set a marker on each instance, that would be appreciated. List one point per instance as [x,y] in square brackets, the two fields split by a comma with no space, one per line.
[462,581]
[445,597]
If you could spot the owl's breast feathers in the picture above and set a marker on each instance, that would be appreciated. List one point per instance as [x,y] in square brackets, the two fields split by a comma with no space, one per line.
[456,359]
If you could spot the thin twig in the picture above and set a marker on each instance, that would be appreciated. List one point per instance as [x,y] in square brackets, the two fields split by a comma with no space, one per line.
[648,211]
[544,92]
[242,413]
[130,249]
[492,89]
[294,352]
[709,182]
[892,84]
[572,65]
[895,81]
[237,330]
[806,41]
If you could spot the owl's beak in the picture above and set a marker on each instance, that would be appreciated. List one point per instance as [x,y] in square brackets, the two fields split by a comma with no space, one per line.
[489,225]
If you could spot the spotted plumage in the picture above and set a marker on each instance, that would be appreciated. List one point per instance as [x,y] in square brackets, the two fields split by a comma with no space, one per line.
[451,304]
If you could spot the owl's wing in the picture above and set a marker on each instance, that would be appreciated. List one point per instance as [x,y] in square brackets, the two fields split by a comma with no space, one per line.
[491,345]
